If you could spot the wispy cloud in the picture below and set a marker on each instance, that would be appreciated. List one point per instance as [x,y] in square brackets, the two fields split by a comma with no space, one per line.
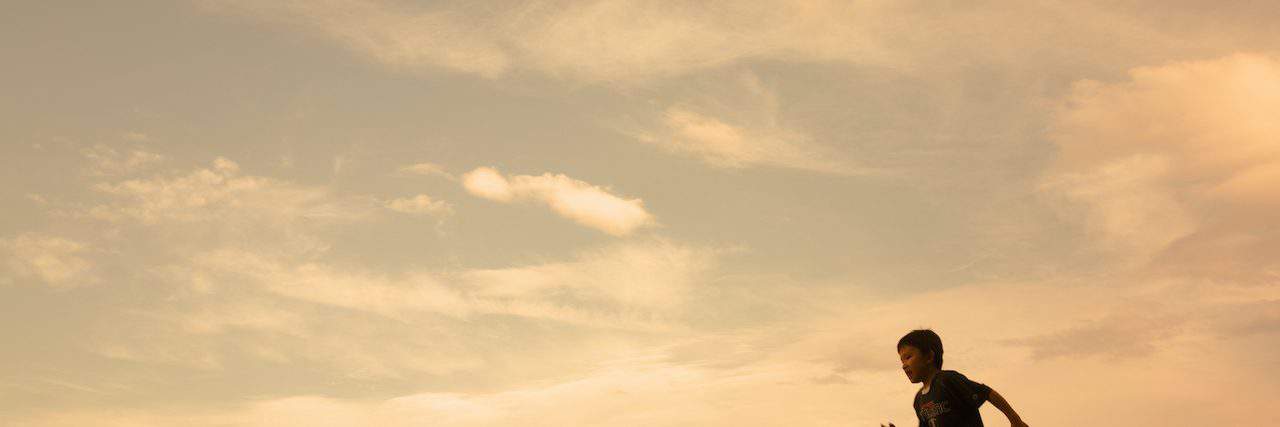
[428,169]
[238,243]
[650,279]
[51,260]
[421,204]
[107,161]
[1179,163]
[728,146]
[325,285]
[214,193]
[272,306]
[582,202]
[741,127]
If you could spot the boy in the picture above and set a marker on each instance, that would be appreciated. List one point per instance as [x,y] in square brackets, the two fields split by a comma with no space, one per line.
[947,398]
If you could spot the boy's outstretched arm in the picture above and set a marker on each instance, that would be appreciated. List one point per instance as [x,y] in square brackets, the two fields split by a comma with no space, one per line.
[1003,406]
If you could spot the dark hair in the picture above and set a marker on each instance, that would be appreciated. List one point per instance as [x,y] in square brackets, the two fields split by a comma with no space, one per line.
[926,341]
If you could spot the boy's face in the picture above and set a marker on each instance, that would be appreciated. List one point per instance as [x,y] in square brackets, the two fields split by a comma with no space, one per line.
[915,364]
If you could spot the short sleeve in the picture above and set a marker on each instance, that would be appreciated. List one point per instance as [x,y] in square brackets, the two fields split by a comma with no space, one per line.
[973,393]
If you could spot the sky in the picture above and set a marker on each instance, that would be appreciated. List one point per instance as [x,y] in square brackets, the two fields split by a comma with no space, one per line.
[626,213]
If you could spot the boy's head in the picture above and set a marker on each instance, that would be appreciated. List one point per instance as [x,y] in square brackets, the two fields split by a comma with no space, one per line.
[921,352]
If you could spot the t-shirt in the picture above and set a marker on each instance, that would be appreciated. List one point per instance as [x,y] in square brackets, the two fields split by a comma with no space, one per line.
[952,401]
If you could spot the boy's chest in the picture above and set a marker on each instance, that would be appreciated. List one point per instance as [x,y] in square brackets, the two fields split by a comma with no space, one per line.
[930,405]
[938,408]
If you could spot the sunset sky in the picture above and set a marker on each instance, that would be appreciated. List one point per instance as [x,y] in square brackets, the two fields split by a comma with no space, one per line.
[636,213]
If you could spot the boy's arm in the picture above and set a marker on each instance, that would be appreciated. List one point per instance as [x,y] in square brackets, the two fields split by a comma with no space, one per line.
[1003,405]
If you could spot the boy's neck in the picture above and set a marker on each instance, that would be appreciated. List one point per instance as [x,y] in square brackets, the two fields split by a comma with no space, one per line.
[928,380]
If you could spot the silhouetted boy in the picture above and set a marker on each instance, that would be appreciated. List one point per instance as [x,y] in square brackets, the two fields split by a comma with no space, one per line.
[947,398]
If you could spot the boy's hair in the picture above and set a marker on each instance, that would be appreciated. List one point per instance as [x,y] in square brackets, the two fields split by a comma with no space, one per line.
[926,341]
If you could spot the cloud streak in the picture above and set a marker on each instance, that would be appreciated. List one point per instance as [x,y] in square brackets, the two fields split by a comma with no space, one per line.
[406,41]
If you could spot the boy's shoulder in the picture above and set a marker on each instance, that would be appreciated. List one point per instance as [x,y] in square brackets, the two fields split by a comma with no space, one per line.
[950,377]
[948,373]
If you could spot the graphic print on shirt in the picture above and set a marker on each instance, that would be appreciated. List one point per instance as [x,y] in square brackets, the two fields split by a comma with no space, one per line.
[931,409]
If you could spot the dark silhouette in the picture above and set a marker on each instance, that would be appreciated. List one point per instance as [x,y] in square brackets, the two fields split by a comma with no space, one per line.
[947,398]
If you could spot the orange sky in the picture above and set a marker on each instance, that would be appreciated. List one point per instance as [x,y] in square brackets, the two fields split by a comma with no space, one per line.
[619,213]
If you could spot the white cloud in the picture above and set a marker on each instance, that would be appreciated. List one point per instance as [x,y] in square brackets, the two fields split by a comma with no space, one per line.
[420,204]
[55,261]
[585,204]
[582,202]
[1178,163]
[488,183]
